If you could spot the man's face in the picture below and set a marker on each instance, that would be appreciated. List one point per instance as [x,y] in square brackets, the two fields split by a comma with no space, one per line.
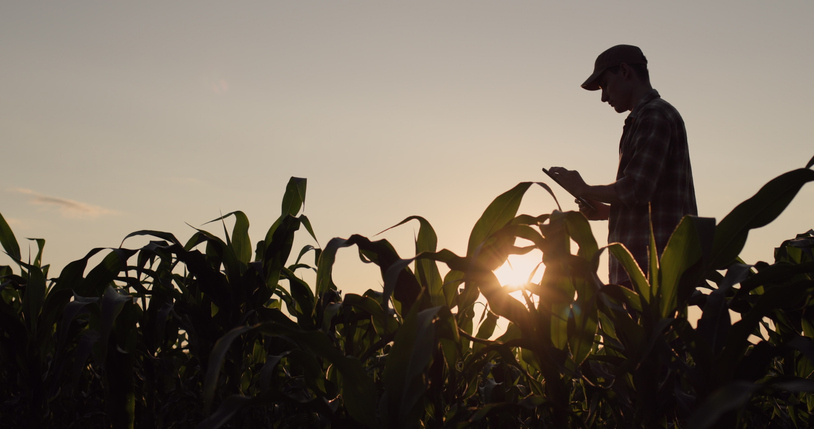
[615,89]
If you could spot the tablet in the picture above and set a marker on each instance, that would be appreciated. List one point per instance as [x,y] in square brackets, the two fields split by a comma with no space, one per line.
[582,200]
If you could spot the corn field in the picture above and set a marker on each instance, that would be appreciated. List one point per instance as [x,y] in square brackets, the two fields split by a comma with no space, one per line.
[223,332]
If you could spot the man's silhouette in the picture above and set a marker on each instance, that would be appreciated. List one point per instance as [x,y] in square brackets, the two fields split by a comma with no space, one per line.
[654,177]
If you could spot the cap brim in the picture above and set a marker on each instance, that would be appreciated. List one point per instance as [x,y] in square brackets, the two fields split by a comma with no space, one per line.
[591,84]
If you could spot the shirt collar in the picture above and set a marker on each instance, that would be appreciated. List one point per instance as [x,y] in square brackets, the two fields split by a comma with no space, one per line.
[648,97]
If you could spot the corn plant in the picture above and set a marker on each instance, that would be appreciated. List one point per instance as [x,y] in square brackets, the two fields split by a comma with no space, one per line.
[217,332]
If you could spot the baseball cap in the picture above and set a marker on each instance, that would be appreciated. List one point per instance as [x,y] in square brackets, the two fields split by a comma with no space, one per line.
[613,56]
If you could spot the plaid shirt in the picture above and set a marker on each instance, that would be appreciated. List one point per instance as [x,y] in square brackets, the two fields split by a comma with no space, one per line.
[654,170]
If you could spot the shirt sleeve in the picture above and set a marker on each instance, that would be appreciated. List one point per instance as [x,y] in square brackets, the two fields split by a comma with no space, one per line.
[650,147]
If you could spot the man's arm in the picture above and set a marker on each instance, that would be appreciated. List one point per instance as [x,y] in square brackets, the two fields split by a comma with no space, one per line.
[572,181]
[602,193]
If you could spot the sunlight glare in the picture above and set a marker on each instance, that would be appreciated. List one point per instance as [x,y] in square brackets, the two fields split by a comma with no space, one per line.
[515,272]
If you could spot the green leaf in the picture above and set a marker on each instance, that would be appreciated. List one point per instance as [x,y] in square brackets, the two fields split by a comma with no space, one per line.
[447,331]
[325,265]
[764,207]
[112,304]
[38,259]
[303,296]
[34,296]
[790,295]
[808,328]
[278,248]
[160,234]
[580,231]
[307,224]
[426,270]
[714,324]
[241,243]
[452,280]
[238,242]
[392,276]
[487,327]
[71,276]
[683,250]
[71,310]
[216,359]
[399,280]
[403,378]
[582,332]
[358,390]
[653,274]
[500,212]
[101,276]
[293,202]
[383,322]
[294,197]
[560,314]
[640,283]
[8,240]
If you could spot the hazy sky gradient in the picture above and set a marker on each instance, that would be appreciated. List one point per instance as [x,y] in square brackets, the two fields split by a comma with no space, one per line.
[119,117]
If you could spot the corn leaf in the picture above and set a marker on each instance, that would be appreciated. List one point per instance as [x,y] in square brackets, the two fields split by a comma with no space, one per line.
[293,202]
[38,259]
[294,197]
[683,250]
[8,240]
[640,283]
[241,243]
[500,212]
[715,323]
[764,207]
[112,304]
[426,270]
[412,351]
[580,231]
[34,296]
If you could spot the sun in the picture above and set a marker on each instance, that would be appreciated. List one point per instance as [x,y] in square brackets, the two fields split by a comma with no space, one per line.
[515,272]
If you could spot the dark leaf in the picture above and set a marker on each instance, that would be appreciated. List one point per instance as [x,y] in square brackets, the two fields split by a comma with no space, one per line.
[762,208]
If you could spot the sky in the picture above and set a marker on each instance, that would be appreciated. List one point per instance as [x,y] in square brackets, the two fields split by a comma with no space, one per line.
[122,116]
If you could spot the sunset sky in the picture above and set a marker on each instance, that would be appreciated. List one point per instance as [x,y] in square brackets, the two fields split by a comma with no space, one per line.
[121,116]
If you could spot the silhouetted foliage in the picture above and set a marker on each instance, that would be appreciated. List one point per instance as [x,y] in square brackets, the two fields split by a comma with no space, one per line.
[219,333]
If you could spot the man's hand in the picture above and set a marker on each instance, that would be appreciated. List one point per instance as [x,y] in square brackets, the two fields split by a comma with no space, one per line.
[573,183]
[571,180]
[599,212]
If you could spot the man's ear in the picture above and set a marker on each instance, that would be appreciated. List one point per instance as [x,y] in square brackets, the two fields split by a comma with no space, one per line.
[626,70]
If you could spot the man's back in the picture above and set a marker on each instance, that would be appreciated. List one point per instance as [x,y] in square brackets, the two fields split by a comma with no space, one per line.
[654,180]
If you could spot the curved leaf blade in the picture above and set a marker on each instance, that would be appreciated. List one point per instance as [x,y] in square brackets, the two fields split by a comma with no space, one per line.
[764,207]
[8,240]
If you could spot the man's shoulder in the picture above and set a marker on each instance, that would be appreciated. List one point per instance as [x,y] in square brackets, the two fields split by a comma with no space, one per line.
[659,107]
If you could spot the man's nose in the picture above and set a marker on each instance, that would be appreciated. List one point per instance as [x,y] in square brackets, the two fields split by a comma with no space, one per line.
[604,96]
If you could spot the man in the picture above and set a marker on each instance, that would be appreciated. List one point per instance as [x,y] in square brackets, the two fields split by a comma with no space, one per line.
[654,177]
